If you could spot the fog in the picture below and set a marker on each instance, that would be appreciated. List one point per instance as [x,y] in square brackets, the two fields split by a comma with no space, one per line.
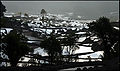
[84,9]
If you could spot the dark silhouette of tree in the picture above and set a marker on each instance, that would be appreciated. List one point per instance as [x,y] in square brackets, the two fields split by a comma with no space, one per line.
[10,23]
[26,15]
[19,14]
[43,13]
[2,9]
[52,46]
[16,46]
[109,36]
[70,43]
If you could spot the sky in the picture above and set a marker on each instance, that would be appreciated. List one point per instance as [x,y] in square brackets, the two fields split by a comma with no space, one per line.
[74,9]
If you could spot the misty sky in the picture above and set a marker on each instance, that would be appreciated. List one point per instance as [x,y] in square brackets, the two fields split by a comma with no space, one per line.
[87,9]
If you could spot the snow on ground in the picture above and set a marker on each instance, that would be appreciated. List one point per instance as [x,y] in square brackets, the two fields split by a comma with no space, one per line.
[8,14]
[4,56]
[116,28]
[33,15]
[35,23]
[80,33]
[40,51]
[5,30]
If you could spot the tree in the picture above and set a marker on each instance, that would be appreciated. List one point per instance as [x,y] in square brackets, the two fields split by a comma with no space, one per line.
[70,43]
[2,9]
[26,15]
[52,46]
[10,23]
[43,13]
[103,29]
[16,46]
[19,14]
